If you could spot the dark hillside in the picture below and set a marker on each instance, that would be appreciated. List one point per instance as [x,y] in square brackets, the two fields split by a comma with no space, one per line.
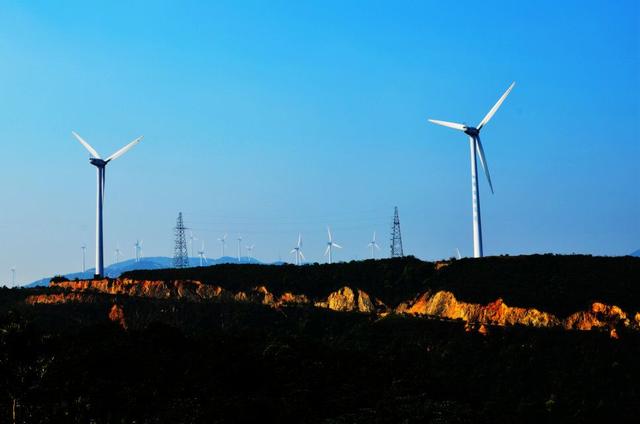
[560,284]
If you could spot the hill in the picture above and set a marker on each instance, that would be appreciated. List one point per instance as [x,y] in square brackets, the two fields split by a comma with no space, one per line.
[555,283]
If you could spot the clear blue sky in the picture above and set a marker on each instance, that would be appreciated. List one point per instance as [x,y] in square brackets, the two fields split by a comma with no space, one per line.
[270,118]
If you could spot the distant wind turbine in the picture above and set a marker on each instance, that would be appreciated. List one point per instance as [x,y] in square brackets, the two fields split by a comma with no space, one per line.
[239,251]
[100,165]
[249,250]
[117,253]
[298,250]
[201,255]
[223,241]
[330,245]
[373,246]
[477,150]
[191,239]
[84,254]
[138,249]
[13,276]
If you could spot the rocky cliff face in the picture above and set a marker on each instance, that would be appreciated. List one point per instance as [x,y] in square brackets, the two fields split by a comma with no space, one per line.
[347,300]
[439,304]
[444,304]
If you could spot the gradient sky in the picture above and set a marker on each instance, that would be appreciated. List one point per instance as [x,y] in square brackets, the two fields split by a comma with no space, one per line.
[268,118]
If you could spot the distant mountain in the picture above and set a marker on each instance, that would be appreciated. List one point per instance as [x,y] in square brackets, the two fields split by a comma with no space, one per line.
[156,262]
[636,253]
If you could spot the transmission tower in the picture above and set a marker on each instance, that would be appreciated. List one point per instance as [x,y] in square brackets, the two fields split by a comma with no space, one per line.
[180,254]
[396,237]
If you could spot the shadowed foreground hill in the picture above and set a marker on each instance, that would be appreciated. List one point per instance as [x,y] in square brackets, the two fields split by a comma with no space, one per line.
[555,283]
[93,355]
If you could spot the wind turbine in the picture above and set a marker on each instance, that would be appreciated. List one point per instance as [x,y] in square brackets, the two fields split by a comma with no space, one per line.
[298,250]
[477,150]
[84,253]
[13,276]
[100,165]
[373,245]
[201,254]
[330,245]
[117,252]
[191,239]
[239,252]
[249,250]
[458,255]
[138,249]
[223,241]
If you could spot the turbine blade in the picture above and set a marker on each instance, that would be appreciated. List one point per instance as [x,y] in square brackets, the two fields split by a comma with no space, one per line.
[483,161]
[326,252]
[336,245]
[86,145]
[124,150]
[453,125]
[329,232]
[376,245]
[495,107]
[299,239]
[293,251]
[301,255]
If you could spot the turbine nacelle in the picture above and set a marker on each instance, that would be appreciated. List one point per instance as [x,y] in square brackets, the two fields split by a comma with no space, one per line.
[98,163]
[471,131]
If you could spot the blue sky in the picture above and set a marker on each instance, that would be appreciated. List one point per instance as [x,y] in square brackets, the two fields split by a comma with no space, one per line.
[268,118]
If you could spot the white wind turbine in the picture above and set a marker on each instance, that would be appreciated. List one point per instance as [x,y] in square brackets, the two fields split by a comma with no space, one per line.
[84,255]
[477,150]
[138,249]
[330,245]
[298,250]
[117,253]
[373,245]
[100,165]
[249,250]
[191,239]
[223,241]
[201,254]
[239,248]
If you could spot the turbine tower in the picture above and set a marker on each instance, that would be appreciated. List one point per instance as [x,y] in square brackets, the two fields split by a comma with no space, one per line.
[298,250]
[373,245]
[239,252]
[330,245]
[476,150]
[223,241]
[100,165]
[13,276]
[201,254]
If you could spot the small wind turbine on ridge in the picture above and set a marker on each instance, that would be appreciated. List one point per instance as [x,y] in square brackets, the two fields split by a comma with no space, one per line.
[298,250]
[373,245]
[330,245]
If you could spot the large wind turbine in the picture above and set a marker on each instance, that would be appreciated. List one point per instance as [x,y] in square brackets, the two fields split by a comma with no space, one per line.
[298,250]
[373,245]
[476,149]
[100,165]
[330,245]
